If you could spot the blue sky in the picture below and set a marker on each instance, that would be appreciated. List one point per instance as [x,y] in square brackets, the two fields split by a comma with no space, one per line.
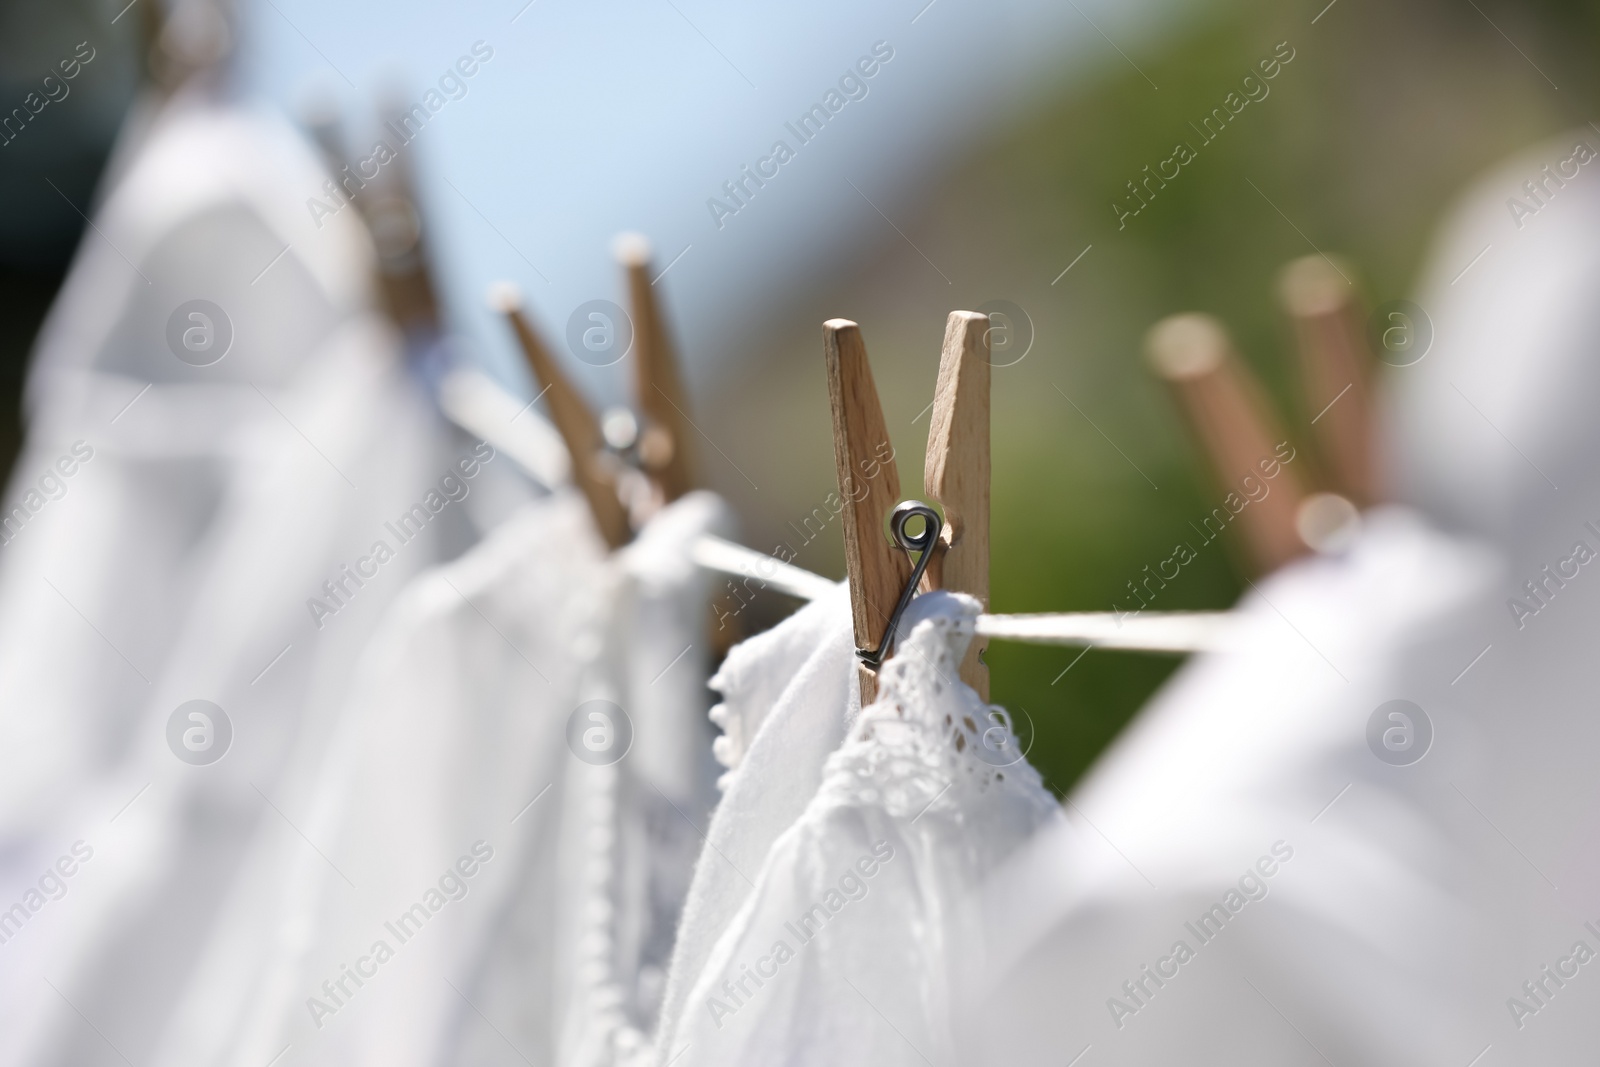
[593,119]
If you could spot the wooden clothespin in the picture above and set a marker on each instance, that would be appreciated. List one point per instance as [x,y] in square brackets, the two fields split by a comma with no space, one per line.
[956,471]
[869,486]
[1336,363]
[181,42]
[665,450]
[577,425]
[664,447]
[392,209]
[1230,415]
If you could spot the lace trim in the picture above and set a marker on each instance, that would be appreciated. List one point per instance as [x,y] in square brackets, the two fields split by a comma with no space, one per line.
[929,743]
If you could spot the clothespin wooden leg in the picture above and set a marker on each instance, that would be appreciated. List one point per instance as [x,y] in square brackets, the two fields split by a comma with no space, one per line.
[392,208]
[956,473]
[869,486]
[1335,366]
[665,449]
[574,421]
[1234,423]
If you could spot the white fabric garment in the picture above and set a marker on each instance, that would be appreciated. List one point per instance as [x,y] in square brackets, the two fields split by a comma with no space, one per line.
[850,945]
[757,672]
[1493,431]
[203,196]
[547,885]
[632,829]
[787,696]
[1370,912]
[179,563]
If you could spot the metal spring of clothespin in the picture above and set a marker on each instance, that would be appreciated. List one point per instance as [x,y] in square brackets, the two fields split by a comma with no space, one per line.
[925,543]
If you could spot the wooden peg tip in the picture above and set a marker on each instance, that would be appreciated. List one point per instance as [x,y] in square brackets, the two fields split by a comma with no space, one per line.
[1327,522]
[1186,346]
[1314,285]
[631,249]
[505,297]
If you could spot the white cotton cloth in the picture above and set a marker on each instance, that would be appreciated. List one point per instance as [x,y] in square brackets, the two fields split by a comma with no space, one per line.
[1493,431]
[1370,912]
[458,749]
[788,695]
[179,562]
[850,945]
[204,196]
[632,829]
[757,672]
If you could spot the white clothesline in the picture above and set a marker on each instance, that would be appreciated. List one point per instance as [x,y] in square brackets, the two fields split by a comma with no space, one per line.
[481,407]
[1171,631]
[1165,631]
[474,402]
[729,557]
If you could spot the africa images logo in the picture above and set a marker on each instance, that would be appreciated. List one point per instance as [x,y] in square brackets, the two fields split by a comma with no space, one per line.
[599,732]
[199,732]
[199,332]
[1399,733]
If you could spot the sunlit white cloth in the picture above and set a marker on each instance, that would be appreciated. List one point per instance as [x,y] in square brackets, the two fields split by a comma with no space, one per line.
[1494,432]
[787,696]
[548,885]
[169,441]
[851,941]
[1277,864]
[179,563]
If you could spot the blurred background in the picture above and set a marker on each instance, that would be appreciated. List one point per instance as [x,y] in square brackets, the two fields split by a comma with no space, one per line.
[981,165]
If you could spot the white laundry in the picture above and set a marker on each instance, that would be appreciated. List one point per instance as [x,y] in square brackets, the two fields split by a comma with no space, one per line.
[458,756]
[1495,433]
[1248,881]
[180,562]
[849,946]
[632,829]
[757,673]
[1492,431]
[119,544]
[788,695]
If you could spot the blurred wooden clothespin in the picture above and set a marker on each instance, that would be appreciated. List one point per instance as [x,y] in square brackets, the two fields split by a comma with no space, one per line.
[1235,425]
[1336,366]
[956,475]
[592,472]
[662,443]
[391,208]
[664,448]
[665,451]
[185,40]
